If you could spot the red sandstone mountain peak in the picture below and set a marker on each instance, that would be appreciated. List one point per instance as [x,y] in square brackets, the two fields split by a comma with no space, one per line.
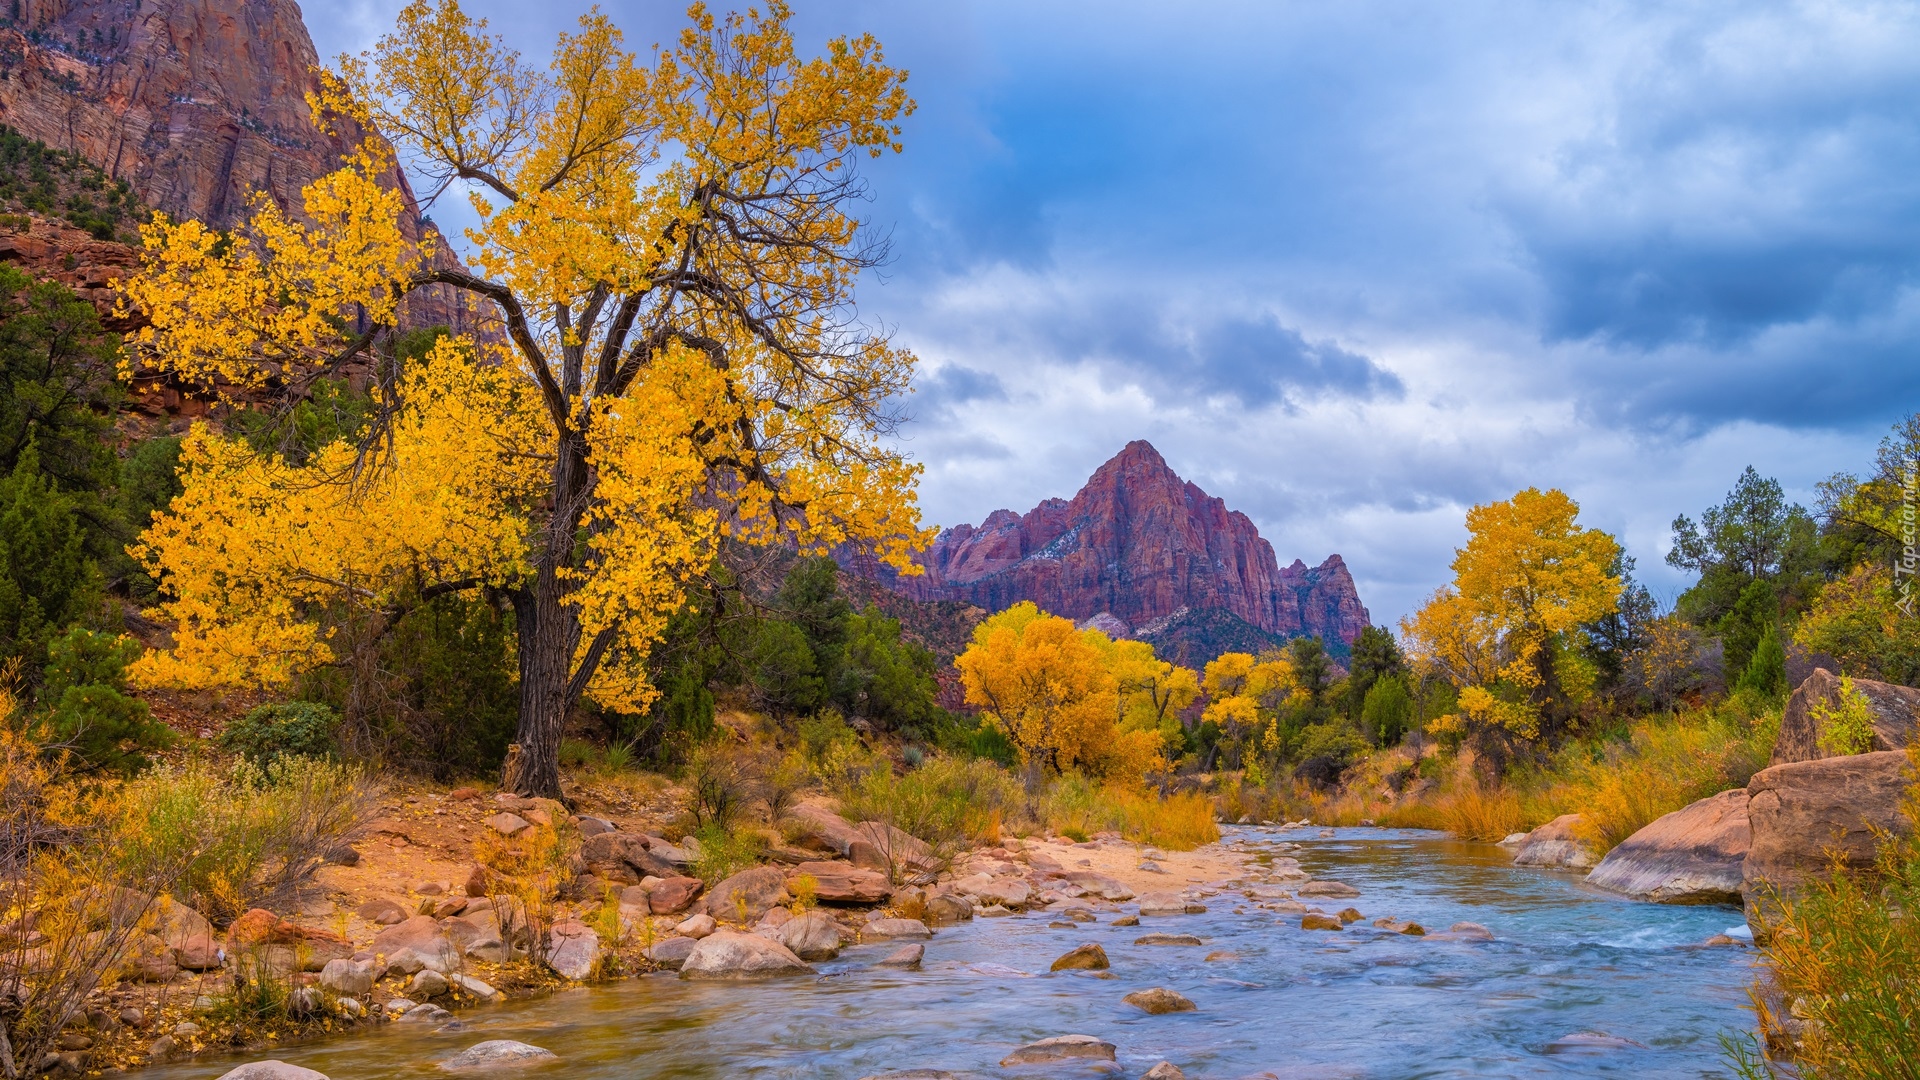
[1139,545]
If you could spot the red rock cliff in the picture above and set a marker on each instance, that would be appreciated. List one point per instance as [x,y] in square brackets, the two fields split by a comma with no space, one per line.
[1140,543]
[196,103]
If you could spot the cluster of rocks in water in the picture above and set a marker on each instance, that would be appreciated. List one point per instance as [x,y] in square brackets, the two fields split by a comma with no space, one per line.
[1809,806]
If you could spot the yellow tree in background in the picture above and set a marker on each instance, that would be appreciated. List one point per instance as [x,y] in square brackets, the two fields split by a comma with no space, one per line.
[1150,693]
[1051,688]
[669,250]
[1245,694]
[1507,631]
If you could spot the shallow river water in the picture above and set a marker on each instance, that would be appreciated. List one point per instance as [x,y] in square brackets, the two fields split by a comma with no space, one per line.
[1361,1004]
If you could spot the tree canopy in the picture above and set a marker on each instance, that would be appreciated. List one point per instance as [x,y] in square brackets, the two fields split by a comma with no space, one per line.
[668,253]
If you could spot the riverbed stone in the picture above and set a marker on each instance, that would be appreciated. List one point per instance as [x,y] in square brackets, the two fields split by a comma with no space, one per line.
[1169,903]
[812,936]
[1167,939]
[1328,890]
[1592,1042]
[422,938]
[1463,931]
[1159,1001]
[1101,885]
[673,895]
[747,895]
[1557,844]
[1088,957]
[1694,855]
[476,987]
[842,883]
[271,1070]
[696,926]
[731,955]
[1895,717]
[1314,920]
[1061,1048]
[672,952]
[894,929]
[573,949]
[1401,926]
[347,977]
[906,958]
[424,1013]
[1008,892]
[428,984]
[1166,1070]
[498,1053]
[947,909]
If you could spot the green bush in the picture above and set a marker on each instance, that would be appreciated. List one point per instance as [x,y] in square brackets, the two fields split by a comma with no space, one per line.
[254,835]
[1387,712]
[85,708]
[724,852]
[305,729]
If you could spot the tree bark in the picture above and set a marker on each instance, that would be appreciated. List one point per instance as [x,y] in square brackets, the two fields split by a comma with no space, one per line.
[548,629]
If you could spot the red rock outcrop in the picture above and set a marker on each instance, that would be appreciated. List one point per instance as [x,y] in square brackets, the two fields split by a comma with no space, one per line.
[1895,716]
[198,104]
[1138,543]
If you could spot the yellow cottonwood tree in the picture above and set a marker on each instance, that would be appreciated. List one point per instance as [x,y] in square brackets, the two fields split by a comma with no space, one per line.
[1245,694]
[669,251]
[1048,685]
[1504,632]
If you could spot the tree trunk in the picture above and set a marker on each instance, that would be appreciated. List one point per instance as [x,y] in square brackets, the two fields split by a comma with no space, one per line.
[549,633]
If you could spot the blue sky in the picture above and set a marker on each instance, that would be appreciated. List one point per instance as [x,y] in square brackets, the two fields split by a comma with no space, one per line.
[1357,266]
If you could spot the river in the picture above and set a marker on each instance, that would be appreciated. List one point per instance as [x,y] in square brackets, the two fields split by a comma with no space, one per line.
[1361,1004]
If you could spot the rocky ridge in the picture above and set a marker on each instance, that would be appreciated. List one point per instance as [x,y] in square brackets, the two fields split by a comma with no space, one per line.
[200,106]
[1138,547]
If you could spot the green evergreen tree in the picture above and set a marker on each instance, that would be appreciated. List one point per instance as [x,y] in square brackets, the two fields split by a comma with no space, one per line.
[1375,655]
[1388,712]
[1766,672]
[47,581]
[1756,611]
[85,708]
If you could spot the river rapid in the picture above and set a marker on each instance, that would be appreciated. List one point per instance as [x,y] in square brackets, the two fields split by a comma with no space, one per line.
[1360,1004]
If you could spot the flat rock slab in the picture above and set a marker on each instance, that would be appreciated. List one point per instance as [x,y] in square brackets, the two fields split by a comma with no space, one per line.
[1592,1042]
[1333,890]
[497,1053]
[1694,855]
[1061,1048]
[1167,939]
[842,883]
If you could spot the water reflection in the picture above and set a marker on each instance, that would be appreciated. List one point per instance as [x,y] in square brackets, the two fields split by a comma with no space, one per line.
[1362,1004]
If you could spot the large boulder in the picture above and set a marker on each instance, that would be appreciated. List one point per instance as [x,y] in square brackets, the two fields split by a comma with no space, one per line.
[730,955]
[746,896]
[262,937]
[422,939]
[879,846]
[813,936]
[187,933]
[1691,856]
[1557,844]
[498,1053]
[573,949]
[823,829]
[673,895]
[1804,814]
[843,883]
[1896,715]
